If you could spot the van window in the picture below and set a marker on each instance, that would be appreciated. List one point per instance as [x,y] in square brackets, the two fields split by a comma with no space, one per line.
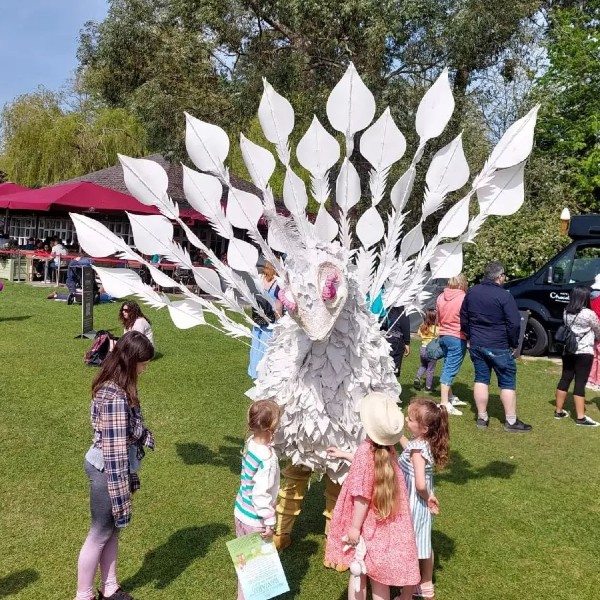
[586,264]
[562,269]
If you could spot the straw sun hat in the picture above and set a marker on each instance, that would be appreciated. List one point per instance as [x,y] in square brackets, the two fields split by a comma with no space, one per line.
[382,419]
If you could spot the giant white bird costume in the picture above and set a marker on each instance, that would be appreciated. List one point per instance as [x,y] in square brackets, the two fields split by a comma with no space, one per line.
[328,351]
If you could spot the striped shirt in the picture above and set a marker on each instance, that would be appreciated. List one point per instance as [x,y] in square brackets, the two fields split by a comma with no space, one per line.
[259,483]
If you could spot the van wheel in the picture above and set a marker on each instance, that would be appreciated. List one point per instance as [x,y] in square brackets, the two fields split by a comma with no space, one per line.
[535,342]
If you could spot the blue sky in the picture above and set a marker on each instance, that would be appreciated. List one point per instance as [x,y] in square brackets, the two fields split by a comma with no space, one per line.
[38,42]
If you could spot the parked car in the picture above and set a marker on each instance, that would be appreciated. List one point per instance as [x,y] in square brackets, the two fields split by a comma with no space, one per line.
[546,293]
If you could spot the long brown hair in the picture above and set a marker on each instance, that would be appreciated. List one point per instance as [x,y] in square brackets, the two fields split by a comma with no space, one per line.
[428,321]
[268,271]
[120,366]
[435,417]
[134,312]
[385,485]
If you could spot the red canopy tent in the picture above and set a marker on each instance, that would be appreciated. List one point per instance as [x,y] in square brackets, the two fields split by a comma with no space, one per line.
[82,195]
[11,188]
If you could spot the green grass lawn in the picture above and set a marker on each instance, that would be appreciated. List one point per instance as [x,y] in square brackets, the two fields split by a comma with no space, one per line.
[519,514]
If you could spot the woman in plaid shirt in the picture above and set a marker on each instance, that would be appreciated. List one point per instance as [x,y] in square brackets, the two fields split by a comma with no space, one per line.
[112,462]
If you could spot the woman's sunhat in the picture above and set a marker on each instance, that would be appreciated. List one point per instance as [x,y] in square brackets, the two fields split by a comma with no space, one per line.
[596,284]
[382,419]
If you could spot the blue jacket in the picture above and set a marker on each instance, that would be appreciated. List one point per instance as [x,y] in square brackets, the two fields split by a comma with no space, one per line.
[489,316]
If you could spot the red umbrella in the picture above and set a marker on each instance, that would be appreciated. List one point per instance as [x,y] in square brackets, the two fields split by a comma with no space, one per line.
[11,188]
[82,195]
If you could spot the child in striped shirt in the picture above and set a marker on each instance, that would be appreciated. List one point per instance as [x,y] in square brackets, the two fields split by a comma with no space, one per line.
[428,423]
[259,480]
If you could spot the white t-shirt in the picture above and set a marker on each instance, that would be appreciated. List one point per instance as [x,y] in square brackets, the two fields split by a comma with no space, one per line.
[57,251]
[142,326]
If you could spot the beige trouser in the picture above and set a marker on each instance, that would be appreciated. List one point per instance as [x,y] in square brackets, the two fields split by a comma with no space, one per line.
[291,494]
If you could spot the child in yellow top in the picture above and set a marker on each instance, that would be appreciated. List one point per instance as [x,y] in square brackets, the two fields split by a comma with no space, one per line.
[427,331]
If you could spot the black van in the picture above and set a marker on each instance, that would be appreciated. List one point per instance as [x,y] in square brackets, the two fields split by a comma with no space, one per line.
[546,293]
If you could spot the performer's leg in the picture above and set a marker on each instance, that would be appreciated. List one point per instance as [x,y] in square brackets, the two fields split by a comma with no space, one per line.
[289,503]
[332,491]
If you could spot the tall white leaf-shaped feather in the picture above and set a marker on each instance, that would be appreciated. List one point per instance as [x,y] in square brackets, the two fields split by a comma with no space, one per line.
[97,240]
[347,193]
[243,209]
[447,172]
[350,106]
[412,242]
[402,189]
[294,193]
[447,261]
[207,279]
[383,144]
[276,117]
[515,145]
[370,228]
[207,145]
[161,278]
[295,199]
[148,231]
[119,282]
[504,193]
[318,150]
[204,193]
[147,181]
[242,256]
[326,227]
[435,109]
[259,162]
[186,313]
[456,220]
[275,240]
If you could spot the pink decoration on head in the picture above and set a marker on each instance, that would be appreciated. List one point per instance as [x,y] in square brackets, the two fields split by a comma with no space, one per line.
[329,291]
[289,303]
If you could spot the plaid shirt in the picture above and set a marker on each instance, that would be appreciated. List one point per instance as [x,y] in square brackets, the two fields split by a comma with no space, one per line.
[116,427]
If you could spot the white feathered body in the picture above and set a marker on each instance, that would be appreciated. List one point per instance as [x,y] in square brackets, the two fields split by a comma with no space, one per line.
[319,383]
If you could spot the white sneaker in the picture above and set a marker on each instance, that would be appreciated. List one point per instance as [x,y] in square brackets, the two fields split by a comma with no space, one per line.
[590,386]
[587,422]
[452,410]
[456,401]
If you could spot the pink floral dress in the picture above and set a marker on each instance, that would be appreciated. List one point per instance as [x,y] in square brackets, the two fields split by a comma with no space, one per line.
[391,549]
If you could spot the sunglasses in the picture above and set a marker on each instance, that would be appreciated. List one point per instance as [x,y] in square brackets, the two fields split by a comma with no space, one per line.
[125,310]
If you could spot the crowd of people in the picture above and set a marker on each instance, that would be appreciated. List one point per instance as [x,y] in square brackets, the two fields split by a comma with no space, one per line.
[386,505]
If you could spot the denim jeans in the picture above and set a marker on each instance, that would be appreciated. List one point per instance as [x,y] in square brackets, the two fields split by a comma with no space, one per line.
[455,354]
[500,360]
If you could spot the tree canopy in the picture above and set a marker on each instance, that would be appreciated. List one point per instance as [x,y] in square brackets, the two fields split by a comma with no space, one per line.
[42,142]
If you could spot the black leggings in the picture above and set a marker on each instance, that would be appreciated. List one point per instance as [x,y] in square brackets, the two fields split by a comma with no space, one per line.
[576,366]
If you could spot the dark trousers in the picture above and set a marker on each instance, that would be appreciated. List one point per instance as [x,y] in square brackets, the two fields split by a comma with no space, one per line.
[397,351]
[576,366]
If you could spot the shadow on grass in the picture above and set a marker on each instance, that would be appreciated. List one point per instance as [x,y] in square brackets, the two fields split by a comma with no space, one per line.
[15,582]
[460,470]
[20,318]
[165,563]
[296,562]
[193,453]
[297,558]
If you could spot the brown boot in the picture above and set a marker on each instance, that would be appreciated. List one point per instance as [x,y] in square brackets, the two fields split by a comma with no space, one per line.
[282,541]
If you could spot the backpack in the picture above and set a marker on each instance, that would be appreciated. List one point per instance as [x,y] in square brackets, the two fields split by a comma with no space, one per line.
[267,308]
[100,348]
[566,339]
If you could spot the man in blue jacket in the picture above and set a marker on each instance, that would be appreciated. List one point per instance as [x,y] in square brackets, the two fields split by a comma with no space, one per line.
[491,321]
